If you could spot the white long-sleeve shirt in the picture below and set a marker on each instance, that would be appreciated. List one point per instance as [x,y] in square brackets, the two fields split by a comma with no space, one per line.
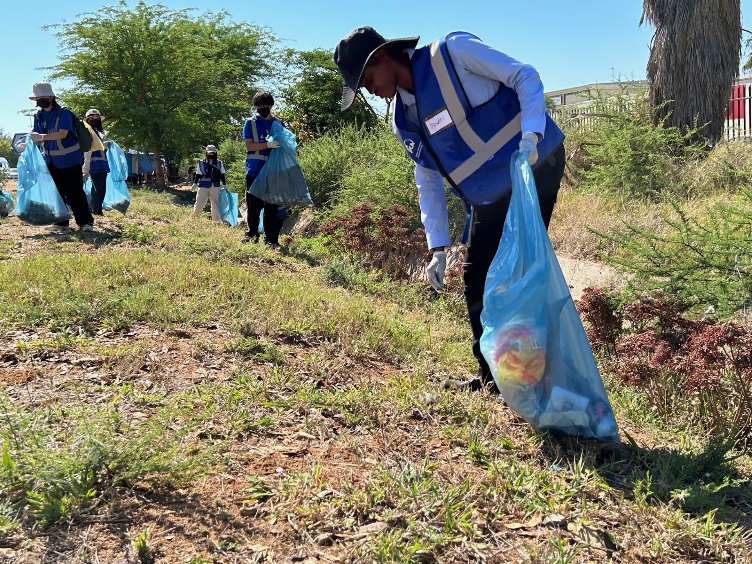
[480,69]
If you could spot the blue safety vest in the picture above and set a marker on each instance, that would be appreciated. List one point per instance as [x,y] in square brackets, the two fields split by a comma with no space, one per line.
[259,129]
[204,169]
[63,153]
[470,146]
[98,160]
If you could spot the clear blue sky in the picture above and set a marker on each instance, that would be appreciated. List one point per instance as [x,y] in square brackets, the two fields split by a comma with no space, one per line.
[570,43]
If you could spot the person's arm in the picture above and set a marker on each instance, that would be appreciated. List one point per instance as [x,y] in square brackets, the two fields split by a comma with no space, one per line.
[56,136]
[248,138]
[485,61]
[433,207]
[251,146]
[87,164]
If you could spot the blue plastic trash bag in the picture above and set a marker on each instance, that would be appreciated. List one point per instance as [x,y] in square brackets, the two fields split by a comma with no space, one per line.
[6,203]
[281,181]
[228,206]
[37,199]
[87,190]
[281,215]
[116,196]
[533,338]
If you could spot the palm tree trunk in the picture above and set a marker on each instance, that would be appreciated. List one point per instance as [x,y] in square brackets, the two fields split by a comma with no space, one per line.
[694,59]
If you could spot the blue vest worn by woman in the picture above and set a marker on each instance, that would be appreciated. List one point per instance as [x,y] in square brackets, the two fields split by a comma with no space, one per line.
[65,152]
[210,173]
[98,160]
[470,146]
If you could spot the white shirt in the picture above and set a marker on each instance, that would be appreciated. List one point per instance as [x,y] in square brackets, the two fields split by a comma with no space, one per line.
[480,69]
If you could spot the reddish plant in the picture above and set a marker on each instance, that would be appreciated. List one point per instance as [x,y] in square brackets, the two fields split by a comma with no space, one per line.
[601,318]
[671,358]
[382,239]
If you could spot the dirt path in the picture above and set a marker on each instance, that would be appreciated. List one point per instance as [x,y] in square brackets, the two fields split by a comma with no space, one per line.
[581,274]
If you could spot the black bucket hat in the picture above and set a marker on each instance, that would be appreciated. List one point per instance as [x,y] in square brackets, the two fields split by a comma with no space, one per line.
[354,51]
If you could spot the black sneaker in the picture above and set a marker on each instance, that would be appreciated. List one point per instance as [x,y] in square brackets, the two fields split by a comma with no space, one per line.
[65,223]
[472,385]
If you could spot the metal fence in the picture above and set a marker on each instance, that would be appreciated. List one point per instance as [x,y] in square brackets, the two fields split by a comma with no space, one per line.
[738,114]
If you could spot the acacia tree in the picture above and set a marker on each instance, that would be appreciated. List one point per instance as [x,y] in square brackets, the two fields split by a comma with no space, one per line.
[164,80]
[694,59]
[312,98]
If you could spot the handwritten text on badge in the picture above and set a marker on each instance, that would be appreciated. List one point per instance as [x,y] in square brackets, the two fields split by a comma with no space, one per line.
[439,121]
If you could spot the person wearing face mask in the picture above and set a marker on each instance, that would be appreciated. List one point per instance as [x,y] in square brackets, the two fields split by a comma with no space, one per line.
[258,149]
[96,166]
[210,173]
[53,133]
[461,110]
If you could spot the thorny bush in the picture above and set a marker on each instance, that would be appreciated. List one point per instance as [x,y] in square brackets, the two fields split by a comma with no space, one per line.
[701,369]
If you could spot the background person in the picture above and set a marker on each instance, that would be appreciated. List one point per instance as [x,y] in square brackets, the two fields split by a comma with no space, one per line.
[461,110]
[53,132]
[95,165]
[209,175]
[255,132]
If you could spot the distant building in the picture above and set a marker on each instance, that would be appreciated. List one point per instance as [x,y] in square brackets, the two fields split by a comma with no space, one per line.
[579,96]
[573,101]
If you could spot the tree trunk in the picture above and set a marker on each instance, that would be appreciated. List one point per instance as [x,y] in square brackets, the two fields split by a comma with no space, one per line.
[159,171]
[694,59]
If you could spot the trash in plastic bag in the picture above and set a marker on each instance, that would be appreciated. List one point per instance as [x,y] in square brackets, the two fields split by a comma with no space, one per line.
[37,198]
[228,206]
[281,181]
[6,203]
[116,196]
[533,338]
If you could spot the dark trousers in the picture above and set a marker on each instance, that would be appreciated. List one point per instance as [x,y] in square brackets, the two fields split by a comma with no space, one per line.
[98,189]
[255,205]
[70,185]
[485,235]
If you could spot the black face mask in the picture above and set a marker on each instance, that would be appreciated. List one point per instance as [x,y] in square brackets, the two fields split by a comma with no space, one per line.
[44,103]
[211,157]
[95,123]
[264,112]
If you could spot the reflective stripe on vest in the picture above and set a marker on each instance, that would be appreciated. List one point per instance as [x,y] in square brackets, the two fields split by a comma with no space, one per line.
[257,155]
[59,147]
[470,146]
[98,162]
[205,181]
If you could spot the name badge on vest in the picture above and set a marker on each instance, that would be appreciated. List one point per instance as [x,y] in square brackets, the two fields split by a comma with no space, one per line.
[438,121]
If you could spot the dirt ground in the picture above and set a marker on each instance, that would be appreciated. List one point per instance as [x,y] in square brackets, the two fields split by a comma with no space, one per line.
[213,520]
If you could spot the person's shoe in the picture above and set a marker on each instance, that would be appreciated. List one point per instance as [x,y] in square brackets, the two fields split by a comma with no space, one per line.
[65,223]
[472,385]
[88,228]
[97,212]
[250,238]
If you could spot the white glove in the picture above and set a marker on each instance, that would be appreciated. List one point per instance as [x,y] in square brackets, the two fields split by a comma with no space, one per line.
[36,137]
[194,187]
[273,144]
[435,270]
[529,143]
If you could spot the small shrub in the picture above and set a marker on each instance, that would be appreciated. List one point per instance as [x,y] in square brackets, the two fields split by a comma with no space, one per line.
[381,239]
[620,150]
[699,370]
